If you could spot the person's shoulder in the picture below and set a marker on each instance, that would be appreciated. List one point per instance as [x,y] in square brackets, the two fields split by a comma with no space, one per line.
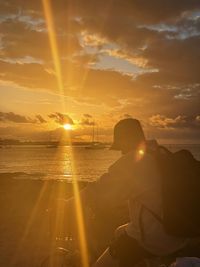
[124,162]
[148,159]
[136,158]
[129,161]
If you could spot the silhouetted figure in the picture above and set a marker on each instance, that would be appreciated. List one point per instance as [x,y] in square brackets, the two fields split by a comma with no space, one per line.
[135,178]
[128,135]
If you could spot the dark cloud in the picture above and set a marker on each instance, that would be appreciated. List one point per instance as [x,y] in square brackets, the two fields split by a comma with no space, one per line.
[87,120]
[87,116]
[17,118]
[121,26]
[28,75]
[177,60]
[126,116]
[61,118]
[19,40]
[154,10]
[162,37]
[40,119]
[12,117]
[88,85]
[181,121]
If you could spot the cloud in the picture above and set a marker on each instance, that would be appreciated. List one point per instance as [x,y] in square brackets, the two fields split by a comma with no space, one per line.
[16,118]
[180,121]
[20,40]
[61,118]
[143,45]
[126,116]
[87,120]
[40,119]
[162,38]
[176,60]
[28,75]
[87,116]
[12,117]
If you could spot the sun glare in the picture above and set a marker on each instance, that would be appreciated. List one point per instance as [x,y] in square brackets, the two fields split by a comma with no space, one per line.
[67,127]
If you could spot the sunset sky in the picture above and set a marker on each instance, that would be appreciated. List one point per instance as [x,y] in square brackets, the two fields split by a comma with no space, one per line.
[86,62]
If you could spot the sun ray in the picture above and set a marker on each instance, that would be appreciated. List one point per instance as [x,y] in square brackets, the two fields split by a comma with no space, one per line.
[57,66]
[29,224]
[81,225]
[55,55]
[54,47]
[80,217]
[108,9]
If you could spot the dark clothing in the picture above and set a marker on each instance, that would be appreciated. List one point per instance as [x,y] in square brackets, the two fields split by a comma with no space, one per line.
[128,251]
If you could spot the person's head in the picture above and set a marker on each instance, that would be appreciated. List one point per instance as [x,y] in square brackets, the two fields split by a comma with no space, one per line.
[128,135]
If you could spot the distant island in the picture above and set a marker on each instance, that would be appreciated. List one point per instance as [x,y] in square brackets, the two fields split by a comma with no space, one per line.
[10,142]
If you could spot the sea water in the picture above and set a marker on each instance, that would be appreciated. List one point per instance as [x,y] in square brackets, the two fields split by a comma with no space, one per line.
[43,162]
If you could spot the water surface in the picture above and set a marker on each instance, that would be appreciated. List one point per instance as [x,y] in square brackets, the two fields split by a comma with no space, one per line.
[41,162]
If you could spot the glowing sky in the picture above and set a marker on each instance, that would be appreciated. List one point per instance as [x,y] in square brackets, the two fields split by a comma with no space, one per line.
[116,59]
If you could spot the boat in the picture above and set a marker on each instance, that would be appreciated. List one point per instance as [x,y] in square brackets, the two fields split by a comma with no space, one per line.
[95,144]
[51,146]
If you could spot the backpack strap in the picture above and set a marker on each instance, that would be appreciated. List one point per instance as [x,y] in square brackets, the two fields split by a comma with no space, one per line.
[141,226]
[157,217]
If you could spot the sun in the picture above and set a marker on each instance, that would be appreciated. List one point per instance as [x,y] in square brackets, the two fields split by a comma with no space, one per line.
[67,127]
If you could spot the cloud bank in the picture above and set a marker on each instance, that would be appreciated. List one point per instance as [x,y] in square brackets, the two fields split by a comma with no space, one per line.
[160,39]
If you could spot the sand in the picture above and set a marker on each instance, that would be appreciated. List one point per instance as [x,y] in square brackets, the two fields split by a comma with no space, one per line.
[24,222]
[25,226]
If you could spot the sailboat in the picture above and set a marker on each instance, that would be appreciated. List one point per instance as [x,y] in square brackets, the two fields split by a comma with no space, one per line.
[95,144]
[52,144]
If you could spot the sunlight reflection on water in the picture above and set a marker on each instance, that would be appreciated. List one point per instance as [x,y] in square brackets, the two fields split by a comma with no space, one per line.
[40,162]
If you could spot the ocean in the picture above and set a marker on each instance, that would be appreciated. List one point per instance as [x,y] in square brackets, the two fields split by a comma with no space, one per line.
[59,163]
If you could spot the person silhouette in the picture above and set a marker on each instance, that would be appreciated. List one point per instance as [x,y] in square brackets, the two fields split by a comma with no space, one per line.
[133,178]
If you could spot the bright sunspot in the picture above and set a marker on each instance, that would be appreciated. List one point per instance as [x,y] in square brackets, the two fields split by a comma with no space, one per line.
[67,127]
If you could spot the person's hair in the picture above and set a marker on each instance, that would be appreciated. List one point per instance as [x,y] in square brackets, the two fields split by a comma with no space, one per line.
[128,134]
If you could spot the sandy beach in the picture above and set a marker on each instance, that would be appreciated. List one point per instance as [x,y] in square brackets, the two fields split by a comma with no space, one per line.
[24,222]
[25,227]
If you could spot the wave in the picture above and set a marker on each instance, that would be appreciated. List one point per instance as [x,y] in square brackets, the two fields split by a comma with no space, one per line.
[22,175]
[37,176]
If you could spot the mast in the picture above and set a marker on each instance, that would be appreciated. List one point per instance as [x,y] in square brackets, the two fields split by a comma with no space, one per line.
[93,134]
[97,134]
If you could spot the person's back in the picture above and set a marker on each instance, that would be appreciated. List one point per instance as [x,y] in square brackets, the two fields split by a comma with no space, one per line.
[136,178]
[145,206]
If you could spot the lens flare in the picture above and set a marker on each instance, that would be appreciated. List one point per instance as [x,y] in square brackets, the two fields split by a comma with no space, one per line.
[141,152]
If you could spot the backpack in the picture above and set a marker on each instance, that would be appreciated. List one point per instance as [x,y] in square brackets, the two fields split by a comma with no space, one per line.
[180,176]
